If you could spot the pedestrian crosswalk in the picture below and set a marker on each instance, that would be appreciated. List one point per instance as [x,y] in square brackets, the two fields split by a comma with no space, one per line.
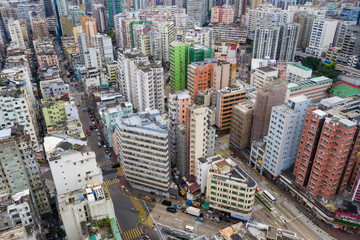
[142,214]
[131,234]
[111,182]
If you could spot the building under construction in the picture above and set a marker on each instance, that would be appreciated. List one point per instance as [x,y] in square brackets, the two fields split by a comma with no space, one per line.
[242,120]
[272,94]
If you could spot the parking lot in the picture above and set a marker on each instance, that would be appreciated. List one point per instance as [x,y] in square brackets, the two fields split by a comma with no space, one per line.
[179,219]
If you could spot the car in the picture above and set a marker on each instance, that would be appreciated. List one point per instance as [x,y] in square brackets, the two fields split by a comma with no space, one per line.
[176,206]
[99,138]
[102,142]
[171,209]
[99,145]
[116,165]
[98,133]
[106,151]
[104,145]
[93,122]
[199,219]
[95,127]
[215,219]
[166,203]
[91,128]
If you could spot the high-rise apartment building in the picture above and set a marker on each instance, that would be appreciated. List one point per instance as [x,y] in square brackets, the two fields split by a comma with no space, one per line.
[146,167]
[49,8]
[230,189]
[266,39]
[306,23]
[200,76]
[196,9]
[75,12]
[284,134]
[197,134]
[101,15]
[72,167]
[167,33]
[20,169]
[18,108]
[241,123]
[222,15]
[140,81]
[341,28]
[225,100]
[104,45]
[321,167]
[178,65]
[45,53]
[288,38]
[39,28]
[322,36]
[240,8]
[222,77]
[178,102]
[16,33]
[114,7]
[268,96]
[351,41]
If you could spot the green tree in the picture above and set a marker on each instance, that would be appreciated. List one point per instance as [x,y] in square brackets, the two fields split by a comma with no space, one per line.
[311,62]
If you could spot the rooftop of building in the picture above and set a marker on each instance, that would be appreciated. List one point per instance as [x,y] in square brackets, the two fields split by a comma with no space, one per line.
[267,69]
[226,167]
[308,83]
[261,143]
[298,65]
[232,89]
[146,67]
[54,141]
[149,121]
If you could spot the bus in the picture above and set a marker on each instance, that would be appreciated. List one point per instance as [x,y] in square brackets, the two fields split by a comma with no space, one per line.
[88,132]
[269,196]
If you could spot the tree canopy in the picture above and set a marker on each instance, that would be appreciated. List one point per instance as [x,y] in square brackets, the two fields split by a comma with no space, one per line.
[321,69]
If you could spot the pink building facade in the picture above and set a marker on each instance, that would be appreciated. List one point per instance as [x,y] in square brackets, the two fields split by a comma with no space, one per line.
[281,67]
[222,15]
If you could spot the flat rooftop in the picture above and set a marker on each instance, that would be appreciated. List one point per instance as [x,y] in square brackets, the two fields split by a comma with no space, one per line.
[266,69]
[298,65]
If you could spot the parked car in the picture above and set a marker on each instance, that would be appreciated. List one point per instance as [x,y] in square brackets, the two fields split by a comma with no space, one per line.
[171,209]
[166,203]
[98,133]
[99,138]
[99,144]
[176,206]
[199,219]
[215,219]
[102,142]
[116,165]
[91,128]
[95,127]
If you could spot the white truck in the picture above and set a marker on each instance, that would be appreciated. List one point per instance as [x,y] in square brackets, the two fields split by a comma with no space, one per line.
[193,211]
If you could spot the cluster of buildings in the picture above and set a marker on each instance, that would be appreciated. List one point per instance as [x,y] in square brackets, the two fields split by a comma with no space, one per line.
[165,79]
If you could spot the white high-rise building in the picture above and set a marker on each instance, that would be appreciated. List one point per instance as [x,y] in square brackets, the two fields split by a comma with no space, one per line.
[266,40]
[197,137]
[16,33]
[144,151]
[322,35]
[284,134]
[167,32]
[141,82]
[62,6]
[71,168]
[104,44]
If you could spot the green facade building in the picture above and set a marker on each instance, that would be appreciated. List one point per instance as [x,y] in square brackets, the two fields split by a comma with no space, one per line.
[182,54]
[198,53]
[114,7]
[53,111]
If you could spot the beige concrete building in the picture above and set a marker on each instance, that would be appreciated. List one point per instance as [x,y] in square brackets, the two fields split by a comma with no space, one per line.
[262,76]
[39,28]
[221,77]
[230,189]
[197,131]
